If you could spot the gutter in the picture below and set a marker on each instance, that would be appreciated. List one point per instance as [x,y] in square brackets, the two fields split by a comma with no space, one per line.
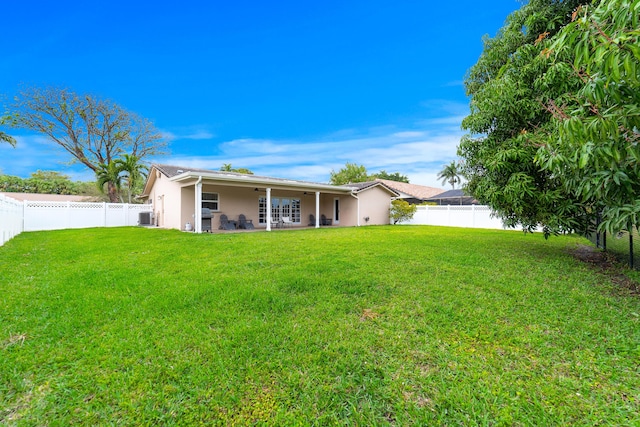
[198,207]
[357,208]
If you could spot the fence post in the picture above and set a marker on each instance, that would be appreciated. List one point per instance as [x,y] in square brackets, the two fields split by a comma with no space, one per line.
[68,214]
[125,210]
[631,247]
[24,214]
[473,216]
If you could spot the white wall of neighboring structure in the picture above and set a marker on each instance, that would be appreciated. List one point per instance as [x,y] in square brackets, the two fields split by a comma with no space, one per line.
[11,218]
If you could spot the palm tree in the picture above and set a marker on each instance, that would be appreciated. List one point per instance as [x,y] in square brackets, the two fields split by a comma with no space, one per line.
[109,174]
[134,171]
[450,174]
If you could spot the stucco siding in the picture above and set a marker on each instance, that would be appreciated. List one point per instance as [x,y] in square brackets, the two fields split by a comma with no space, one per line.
[165,197]
[374,204]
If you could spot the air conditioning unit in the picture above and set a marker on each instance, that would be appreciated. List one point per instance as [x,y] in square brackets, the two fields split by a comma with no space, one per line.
[145,218]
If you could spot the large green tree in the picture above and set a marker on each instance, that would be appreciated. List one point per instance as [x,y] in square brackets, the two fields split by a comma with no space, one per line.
[4,137]
[95,132]
[349,174]
[596,151]
[510,87]
[396,176]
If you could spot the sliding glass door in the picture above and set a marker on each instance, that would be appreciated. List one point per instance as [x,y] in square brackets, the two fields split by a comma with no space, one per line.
[280,206]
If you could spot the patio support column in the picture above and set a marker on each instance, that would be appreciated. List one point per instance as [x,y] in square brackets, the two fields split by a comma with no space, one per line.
[317,209]
[268,209]
[197,217]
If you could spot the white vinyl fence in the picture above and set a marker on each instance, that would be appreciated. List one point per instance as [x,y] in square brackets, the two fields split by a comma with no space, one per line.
[469,216]
[16,216]
[61,215]
[11,218]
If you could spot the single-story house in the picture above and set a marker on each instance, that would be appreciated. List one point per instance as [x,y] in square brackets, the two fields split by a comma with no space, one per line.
[453,197]
[178,196]
[411,193]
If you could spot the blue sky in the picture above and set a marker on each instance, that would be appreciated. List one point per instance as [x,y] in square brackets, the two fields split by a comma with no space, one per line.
[290,89]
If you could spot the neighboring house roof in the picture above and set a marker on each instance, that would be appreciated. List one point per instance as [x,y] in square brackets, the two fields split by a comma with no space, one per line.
[453,196]
[182,173]
[38,197]
[415,191]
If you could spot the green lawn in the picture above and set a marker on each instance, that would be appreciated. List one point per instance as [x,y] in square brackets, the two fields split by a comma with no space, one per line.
[396,325]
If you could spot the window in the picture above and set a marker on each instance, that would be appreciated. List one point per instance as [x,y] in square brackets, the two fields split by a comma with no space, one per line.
[211,201]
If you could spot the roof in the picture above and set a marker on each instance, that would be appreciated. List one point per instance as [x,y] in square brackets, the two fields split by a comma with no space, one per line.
[183,173]
[417,191]
[455,196]
[362,186]
[39,197]
[450,194]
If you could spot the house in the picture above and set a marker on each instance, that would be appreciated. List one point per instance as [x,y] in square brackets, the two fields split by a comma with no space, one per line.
[178,195]
[411,193]
[453,197]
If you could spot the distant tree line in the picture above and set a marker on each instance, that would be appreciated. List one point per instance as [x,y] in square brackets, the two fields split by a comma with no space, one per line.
[352,173]
[47,182]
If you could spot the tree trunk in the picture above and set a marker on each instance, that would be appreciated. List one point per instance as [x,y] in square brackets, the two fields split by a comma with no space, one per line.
[113,192]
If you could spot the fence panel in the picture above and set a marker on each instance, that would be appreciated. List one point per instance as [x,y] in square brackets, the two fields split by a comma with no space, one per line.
[469,216]
[85,215]
[118,214]
[623,245]
[11,218]
[60,215]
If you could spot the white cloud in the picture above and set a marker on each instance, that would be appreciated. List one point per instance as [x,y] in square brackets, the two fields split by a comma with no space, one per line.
[408,134]
[189,133]
[418,151]
[202,134]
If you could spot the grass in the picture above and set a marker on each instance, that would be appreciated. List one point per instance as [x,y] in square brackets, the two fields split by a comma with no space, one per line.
[354,326]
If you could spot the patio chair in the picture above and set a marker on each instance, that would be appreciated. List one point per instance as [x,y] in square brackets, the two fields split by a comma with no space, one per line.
[225,224]
[312,220]
[324,220]
[286,221]
[245,223]
[276,223]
